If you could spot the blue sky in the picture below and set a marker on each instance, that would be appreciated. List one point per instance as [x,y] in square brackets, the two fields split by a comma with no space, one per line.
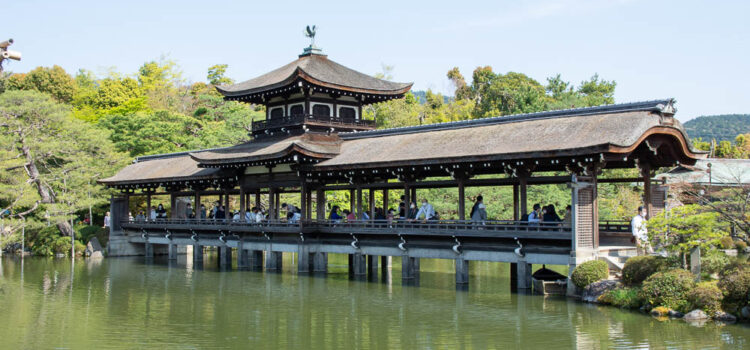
[695,51]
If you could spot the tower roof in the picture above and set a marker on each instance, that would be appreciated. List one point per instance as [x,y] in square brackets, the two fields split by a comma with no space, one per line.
[318,70]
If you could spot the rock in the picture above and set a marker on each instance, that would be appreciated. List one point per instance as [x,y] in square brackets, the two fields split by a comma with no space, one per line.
[745,312]
[695,315]
[675,314]
[725,317]
[593,291]
[94,248]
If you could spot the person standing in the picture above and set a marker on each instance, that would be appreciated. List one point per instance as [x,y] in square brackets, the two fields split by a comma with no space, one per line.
[152,213]
[202,214]
[106,220]
[568,219]
[189,211]
[478,213]
[536,215]
[640,232]
[426,210]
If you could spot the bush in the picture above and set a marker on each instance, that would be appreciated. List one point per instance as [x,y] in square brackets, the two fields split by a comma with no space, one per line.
[707,297]
[589,272]
[714,261]
[668,289]
[735,286]
[86,232]
[638,268]
[740,244]
[624,297]
[726,242]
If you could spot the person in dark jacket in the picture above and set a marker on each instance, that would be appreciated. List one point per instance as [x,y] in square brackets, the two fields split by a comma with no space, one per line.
[550,214]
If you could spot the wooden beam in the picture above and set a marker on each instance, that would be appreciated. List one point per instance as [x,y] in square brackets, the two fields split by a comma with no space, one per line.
[542,180]
[461,200]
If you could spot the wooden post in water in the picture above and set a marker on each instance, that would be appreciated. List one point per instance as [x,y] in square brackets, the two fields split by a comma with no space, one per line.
[462,272]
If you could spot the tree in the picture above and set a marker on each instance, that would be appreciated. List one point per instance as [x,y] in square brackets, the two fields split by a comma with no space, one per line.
[50,160]
[686,227]
[54,81]
[216,75]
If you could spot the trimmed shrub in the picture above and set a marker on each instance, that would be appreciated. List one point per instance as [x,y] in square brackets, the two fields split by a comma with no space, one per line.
[735,285]
[726,242]
[623,297]
[706,296]
[638,268]
[740,244]
[589,272]
[714,261]
[669,289]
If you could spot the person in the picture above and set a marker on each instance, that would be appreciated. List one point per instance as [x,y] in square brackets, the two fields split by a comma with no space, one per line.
[250,215]
[568,219]
[426,211]
[350,216]
[293,217]
[391,215]
[364,215]
[152,213]
[236,216]
[202,212]
[220,213]
[290,208]
[550,215]
[379,216]
[215,209]
[130,216]
[334,215]
[161,213]
[411,212]
[140,217]
[259,215]
[106,220]
[478,213]
[189,212]
[640,232]
[535,216]
[402,208]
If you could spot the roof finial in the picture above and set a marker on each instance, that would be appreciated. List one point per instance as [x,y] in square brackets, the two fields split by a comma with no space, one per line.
[312,49]
[310,33]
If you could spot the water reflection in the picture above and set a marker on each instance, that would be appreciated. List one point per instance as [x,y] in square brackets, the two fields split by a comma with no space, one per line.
[127,303]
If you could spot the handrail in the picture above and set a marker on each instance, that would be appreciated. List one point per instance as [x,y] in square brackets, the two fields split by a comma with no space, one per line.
[301,118]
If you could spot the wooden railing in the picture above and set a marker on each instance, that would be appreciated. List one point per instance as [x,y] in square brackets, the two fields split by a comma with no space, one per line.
[262,125]
[619,226]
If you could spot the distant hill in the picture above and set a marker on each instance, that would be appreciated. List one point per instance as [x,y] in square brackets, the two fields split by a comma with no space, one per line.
[420,95]
[719,127]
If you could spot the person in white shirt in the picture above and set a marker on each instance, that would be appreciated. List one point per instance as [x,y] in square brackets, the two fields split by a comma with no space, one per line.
[426,211]
[106,220]
[236,216]
[152,214]
[250,216]
[640,232]
[535,216]
[259,216]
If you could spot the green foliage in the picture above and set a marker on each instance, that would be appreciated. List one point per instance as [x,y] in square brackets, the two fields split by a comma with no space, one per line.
[726,242]
[216,75]
[48,242]
[639,268]
[589,272]
[740,244]
[718,127]
[714,261]
[686,227]
[86,232]
[623,297]
[734,283]
[53,81]
[669,289]
[707,297]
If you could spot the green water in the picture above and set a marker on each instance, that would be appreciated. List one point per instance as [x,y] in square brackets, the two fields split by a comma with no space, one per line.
[125,303]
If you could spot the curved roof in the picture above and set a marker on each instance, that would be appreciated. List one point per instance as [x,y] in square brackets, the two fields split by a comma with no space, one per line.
[164,168]
[312,145]
[319,70]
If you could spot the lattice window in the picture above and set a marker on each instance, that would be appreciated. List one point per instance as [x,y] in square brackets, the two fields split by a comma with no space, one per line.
[584,218]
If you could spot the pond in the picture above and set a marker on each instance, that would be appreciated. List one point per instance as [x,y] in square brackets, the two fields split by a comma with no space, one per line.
[126,303]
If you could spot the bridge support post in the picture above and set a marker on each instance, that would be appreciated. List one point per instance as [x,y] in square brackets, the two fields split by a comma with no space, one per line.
[384,264]
[320,262]
[257,260]
[304,259]
[372,267]
[225,257]
[520,274]
[273,261]
[172,251]
[409,269]
[149,250]
[243,257]
[357,265]
[462,272]
[197,255]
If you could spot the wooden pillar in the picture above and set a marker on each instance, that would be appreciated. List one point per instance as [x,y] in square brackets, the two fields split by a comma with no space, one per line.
[304,258]
[303,201]
[359,202]
[320,198]
[516,205]
[352,200]
[385,202]
[522,184]
[646,175]
[461,200]
[243,256]
[197,204]
[384,259]
[277,203]
[226,206]
[273,261]
[462,271]
[149,250]
[371,203]
[271,204]
[148,206]
[407,200]
[172,206]
[243,203]
[308,194]
[225,257]
[257,198]
[320,262]
[414,194]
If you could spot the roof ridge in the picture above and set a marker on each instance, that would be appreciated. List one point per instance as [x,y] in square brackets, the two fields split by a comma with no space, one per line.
[175,154]
[660,105]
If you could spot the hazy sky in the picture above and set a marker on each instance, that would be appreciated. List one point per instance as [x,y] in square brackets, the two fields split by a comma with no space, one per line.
[695,51]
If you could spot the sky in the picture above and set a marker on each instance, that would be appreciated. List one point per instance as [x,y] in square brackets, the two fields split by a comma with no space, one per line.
[697,52]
